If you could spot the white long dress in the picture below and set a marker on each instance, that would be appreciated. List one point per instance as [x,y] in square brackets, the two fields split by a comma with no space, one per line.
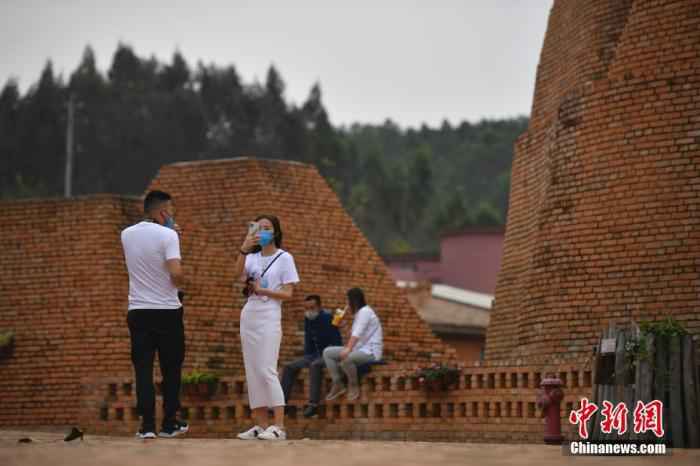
[261,329]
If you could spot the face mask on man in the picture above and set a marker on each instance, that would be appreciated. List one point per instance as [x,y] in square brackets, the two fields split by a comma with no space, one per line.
[169,222]
[266,237]
[311,315]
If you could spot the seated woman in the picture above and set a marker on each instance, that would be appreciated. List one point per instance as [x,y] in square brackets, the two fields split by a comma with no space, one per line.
[365,345]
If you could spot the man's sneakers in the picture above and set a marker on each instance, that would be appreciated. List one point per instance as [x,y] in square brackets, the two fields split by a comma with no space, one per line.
[336,391]
[251,434]
[311,411]
[146,433]
[273,433]
[258,433]
[173,429]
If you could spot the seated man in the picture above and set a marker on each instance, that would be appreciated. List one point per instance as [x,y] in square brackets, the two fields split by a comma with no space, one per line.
[365,345]
[319,333]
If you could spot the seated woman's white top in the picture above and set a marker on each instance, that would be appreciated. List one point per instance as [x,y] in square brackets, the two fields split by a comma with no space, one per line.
[368,330]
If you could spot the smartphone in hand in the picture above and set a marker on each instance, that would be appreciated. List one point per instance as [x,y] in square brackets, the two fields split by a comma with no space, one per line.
[253,228]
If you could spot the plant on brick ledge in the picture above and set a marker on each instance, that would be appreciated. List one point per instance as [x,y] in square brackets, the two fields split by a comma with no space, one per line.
[637,348]
[199,384]
[7,343]
[437,377]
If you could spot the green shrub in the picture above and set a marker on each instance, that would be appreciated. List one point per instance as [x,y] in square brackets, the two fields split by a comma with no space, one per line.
[6,338]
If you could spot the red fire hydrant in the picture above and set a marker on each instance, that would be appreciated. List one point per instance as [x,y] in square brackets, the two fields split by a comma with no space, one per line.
[549,400]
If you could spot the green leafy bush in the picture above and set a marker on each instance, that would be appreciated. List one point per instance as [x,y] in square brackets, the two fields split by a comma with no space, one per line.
[196,377]
[7,338]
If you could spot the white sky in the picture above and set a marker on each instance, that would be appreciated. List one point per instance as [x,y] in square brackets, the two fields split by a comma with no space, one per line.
[413,61]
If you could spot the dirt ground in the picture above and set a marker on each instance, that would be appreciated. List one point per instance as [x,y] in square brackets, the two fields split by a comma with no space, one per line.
[48,449]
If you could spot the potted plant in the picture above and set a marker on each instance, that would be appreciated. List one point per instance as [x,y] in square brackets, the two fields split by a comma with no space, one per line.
[208,383]
[199,384]
[437,377]
[189,383]
[7,343]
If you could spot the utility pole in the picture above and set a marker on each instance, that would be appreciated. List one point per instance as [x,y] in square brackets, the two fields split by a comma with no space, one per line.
[69,146]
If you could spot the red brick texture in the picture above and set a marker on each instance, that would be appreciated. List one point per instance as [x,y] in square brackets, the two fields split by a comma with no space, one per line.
[488,405]
[214,202]
[602,226]
[63,291]
[64,283]
[603,223]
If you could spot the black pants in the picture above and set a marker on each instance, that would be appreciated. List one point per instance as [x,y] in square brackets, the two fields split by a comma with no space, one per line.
[291,370]
[162,331]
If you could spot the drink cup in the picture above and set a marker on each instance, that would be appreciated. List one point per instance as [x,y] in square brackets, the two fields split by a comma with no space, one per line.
[338,316]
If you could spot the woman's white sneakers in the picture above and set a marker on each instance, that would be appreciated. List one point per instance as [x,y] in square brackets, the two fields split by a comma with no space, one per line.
[273,433]
[257,433]
[251,434]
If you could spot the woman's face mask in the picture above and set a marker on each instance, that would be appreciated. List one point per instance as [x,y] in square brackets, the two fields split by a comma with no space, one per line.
[266,237]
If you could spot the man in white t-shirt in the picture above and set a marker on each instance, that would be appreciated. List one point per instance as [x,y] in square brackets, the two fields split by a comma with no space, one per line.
[365,346]
[152,254]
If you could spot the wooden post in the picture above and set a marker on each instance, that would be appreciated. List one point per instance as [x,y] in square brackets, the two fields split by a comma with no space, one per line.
[676,414]
[605,389]
[594,430]
[636,390]
[628,396]
[690,387]
[661,379]
[618,390]
[646,378]
[624,385]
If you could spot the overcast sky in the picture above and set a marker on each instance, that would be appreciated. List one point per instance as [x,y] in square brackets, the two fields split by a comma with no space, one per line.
[413,61]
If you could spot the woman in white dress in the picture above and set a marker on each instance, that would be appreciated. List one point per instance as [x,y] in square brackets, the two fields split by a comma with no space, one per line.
[270,274]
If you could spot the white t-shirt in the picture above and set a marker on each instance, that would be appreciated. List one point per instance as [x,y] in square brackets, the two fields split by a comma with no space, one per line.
[368,330]
[147,245]
[282,272]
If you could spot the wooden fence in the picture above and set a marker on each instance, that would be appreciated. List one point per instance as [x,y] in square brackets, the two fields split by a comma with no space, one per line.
[633,366]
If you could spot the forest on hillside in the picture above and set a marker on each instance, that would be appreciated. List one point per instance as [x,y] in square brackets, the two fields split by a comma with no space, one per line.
[402,186]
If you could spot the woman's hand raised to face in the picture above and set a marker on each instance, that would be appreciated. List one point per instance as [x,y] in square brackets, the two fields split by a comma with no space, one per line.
[250,242]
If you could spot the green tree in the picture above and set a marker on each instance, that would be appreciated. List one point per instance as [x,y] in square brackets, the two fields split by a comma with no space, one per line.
[486,215]
[89,90]
[19,189]
[402,186]
[129,73]
[420,181]
[9,122]
[225,108]
[175,76]
[41,134]
[454,215]
[323,147]
[270,129]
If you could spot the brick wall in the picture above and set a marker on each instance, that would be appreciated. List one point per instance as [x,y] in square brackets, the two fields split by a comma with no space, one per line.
[468,347]
[604,217]
[487,405]
[602,225]
[64,285]
[214,202]
[62,290]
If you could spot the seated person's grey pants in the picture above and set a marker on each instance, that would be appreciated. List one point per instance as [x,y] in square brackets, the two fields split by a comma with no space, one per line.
[349,365]
[291,371]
